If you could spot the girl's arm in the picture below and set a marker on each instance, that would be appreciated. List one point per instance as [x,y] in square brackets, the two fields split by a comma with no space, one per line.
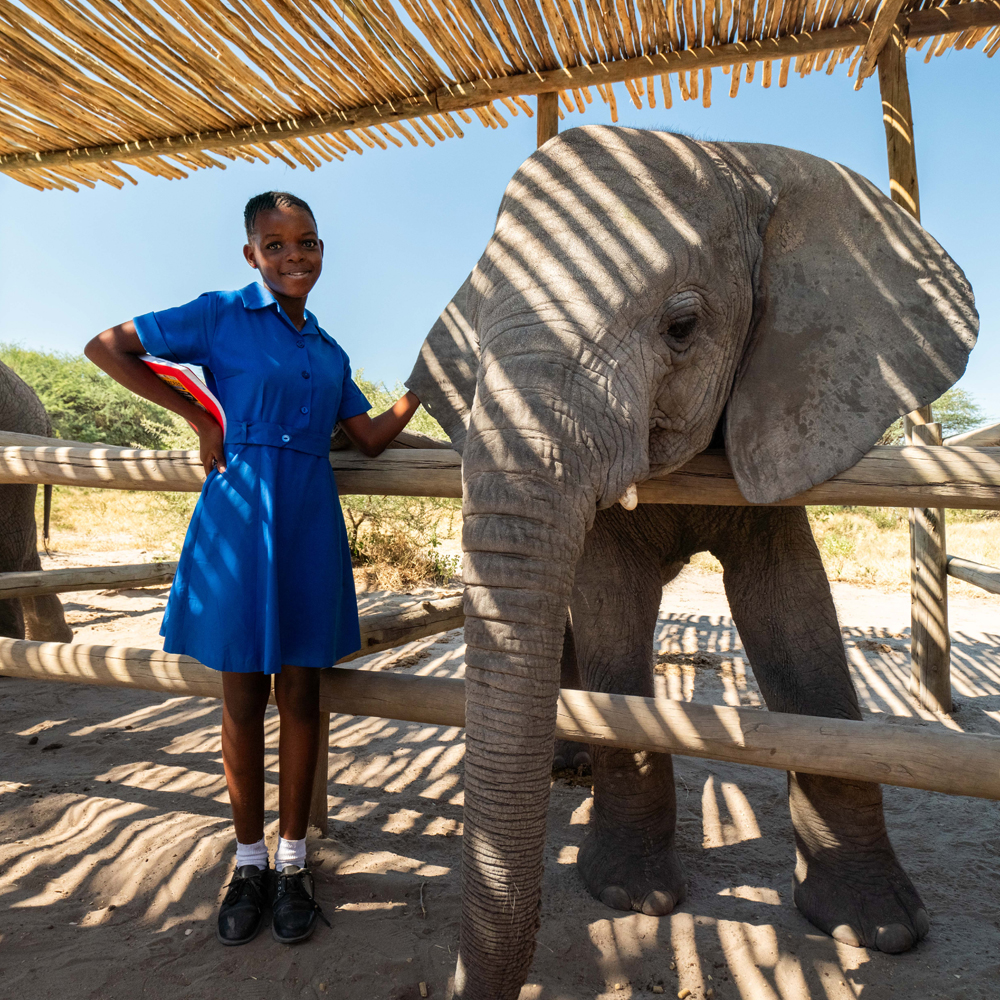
[373,434]
[117,350]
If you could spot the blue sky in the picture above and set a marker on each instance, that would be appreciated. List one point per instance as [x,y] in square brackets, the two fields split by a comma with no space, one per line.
[403,227]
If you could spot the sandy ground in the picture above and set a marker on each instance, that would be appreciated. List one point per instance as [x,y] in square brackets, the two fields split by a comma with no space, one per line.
[115,839]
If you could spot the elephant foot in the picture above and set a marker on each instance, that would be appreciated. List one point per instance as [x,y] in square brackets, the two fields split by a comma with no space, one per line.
[864,900]
[571,755]
[624,880]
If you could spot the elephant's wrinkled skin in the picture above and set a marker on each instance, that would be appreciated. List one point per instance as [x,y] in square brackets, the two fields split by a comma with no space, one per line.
[41,617]
[640,291]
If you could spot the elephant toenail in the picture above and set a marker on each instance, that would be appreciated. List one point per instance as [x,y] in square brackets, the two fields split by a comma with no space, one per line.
[658,903]
[846,934]
[922,923]
[616,897]
[894,938]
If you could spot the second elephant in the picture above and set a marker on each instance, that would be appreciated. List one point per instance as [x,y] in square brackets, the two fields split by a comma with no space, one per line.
[642,292]
[40,618]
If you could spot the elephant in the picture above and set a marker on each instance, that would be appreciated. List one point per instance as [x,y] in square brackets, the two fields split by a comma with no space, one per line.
[42,618]
[642,294]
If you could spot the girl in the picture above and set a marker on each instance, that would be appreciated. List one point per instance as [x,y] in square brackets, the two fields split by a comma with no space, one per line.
[264,584]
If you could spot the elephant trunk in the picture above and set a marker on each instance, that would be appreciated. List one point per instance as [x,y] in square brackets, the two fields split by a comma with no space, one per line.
[527,506]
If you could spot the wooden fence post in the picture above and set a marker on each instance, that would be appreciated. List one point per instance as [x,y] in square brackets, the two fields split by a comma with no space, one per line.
[548,117]
[930,642]
[318,806]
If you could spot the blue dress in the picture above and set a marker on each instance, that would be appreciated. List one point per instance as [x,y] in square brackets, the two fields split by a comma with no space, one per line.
[264,578]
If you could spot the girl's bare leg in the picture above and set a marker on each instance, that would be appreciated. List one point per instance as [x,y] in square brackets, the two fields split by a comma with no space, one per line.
[244,700]
[296,689]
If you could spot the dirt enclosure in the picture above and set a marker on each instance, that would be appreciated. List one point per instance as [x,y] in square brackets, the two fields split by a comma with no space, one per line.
[115,841]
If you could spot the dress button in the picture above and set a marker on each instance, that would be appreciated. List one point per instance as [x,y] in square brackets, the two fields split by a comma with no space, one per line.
[300,343]
[305,374]
[305,409]
[285,437]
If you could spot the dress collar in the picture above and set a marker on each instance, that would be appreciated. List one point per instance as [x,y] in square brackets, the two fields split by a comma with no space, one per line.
[258,296]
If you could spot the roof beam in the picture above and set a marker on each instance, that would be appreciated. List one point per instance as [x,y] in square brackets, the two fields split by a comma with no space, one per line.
[459,96]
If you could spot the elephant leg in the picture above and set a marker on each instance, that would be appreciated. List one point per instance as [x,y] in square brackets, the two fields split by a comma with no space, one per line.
[11,619]
[44,620]
[568,753]
[17,534]
[41,617]
[628,859]
[847,880]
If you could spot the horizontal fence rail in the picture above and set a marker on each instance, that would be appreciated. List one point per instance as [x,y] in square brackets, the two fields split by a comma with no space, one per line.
[36,583]
[911,476]
[982,437]
[387,629]
[891,751]
[985,577]
[154,670]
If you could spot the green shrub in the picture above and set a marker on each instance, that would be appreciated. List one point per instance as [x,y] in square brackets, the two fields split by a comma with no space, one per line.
[84,404]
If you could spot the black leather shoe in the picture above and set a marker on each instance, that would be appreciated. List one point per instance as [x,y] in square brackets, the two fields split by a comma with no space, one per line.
[294,910]
[242,912]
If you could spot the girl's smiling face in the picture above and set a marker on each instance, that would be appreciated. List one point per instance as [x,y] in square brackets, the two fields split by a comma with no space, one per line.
[287,251]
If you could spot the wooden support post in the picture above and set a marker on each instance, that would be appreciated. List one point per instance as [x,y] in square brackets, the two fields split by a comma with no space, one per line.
[548,117]
[930,642]
[318,806]
[898,120]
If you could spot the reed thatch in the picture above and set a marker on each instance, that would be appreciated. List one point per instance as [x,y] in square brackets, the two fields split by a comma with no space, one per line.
[168,86]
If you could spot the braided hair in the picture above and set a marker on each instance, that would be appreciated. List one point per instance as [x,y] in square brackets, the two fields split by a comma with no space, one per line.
[265,202]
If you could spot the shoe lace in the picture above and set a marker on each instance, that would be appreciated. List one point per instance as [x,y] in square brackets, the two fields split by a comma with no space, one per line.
[238,883]
[293,884]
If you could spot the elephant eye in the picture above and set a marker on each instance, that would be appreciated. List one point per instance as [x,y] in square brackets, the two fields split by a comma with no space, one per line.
[679,329]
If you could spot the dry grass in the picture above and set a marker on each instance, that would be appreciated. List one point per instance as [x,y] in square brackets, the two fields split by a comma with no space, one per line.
[89,520]
[871,546]
[395,556]
[866,546]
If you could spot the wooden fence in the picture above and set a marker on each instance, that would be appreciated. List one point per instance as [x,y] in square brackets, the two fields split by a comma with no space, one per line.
[917,755]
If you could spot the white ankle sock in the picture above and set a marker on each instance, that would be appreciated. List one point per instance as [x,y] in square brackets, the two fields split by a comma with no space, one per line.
[251,854]
[290,852]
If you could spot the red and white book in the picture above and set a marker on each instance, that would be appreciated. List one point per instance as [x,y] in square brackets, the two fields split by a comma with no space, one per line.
[182,379]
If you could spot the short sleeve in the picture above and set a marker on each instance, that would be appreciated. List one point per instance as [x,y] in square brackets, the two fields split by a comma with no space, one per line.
[352,400]
[183,334]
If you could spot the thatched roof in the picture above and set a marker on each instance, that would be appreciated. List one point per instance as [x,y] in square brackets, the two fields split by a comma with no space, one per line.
[167,86]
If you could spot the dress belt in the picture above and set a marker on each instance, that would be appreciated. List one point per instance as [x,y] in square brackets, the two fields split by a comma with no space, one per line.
[278,436]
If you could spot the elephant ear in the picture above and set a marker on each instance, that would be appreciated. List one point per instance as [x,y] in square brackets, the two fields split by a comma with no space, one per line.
[444,376]
[859,317]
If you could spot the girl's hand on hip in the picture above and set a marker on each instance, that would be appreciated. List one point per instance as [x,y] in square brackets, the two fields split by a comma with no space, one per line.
[213,452]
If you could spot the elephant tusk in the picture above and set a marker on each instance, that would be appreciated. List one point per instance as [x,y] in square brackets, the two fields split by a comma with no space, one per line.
[630,498]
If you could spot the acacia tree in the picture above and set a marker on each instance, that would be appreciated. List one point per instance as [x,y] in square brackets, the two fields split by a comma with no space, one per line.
[957,411]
